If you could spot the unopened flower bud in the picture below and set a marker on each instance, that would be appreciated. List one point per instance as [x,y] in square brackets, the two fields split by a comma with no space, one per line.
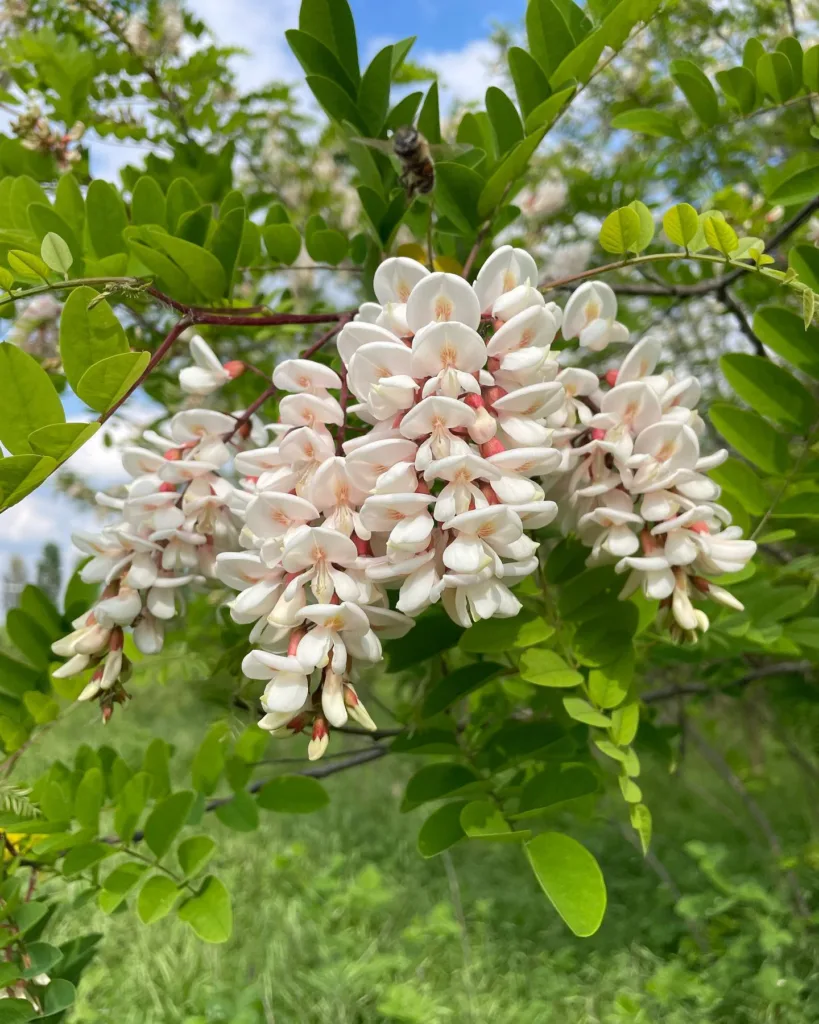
[234,368]
[492,447]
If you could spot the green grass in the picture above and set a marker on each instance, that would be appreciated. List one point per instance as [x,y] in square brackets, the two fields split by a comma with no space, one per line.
[338,919]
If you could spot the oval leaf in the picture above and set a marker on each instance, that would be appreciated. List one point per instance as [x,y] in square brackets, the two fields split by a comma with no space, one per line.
[571,879]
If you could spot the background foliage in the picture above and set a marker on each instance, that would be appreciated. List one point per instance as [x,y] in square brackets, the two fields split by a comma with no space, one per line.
[609,110]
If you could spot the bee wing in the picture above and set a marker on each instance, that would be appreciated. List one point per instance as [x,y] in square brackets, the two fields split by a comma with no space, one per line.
[381,144]
[448,150]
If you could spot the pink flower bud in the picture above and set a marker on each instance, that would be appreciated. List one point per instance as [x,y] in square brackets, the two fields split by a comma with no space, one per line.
[610,377]
[492,447]
[234,368]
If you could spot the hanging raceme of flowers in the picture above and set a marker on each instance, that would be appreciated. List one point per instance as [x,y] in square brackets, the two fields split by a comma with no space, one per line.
[477,435]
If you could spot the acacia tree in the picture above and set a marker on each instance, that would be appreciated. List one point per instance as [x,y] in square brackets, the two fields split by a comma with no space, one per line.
[432,493]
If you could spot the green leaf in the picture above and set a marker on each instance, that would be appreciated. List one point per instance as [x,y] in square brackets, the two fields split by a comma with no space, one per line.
[739,479]
[531,84]
[16,1011]
[80,858]
[433,633]
[571,879]
[581,711]
[331,21]
[496,636]
[404,111]
[785,333]
[327,246]
[194,853]
[751,436]
[56,254]
[792,49]
[435,781]
[61,440]
[27,266]
[481,819]
[209,912]
[131,802]
[103,384]
[148,203]
[511,168]
[546,113]
[119,883]
[209,760]
[429,119]
[799,506]
[648,122]
[36,603]
[697,89]
[640,817]
[240,813]
[88,335]
[545,668]
[681,224]
[606,635]
[28,399]
[167,820]
[201,267]
[20,474]
[557,784]
[227,242]
[775,76]
[106,218]
[42,956]
[548,34]
[646,234]
[293,794]
[609,684]
[155,762]
[457,191]
[804,259]
[156,898]
[182,197]
[442,829]
[29,637]
[44,221]
[318,59]
[810,68]
[739,86]
[335,102]
[718,233]
[770,390]
[283,242]
[41,707]
[89,798]
[506,123]
[374,91]
[624,723]
[620,230]
[801,187]
[69,203]
[456,685]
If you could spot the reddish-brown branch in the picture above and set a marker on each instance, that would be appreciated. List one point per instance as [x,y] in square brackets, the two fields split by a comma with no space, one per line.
[156,358]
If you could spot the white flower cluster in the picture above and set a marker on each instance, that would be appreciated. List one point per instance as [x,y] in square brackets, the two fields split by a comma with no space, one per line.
[174,520]
[470,423]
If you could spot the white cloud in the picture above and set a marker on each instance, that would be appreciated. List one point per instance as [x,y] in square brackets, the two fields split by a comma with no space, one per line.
[258,28]
[465,74]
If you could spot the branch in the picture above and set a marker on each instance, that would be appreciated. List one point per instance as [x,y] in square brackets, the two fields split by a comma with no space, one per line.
[715,284]
[691,689]
[156,358]
[727,774]
[731,304]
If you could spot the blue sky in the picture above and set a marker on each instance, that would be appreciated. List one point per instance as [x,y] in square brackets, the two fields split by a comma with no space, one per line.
[439,24]
[452,38]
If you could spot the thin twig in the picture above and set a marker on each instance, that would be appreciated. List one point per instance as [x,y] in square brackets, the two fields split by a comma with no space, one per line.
[727,774]
[731,304]
[691,689]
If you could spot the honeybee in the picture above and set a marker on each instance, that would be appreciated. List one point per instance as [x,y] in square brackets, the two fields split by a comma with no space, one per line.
[414,154]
